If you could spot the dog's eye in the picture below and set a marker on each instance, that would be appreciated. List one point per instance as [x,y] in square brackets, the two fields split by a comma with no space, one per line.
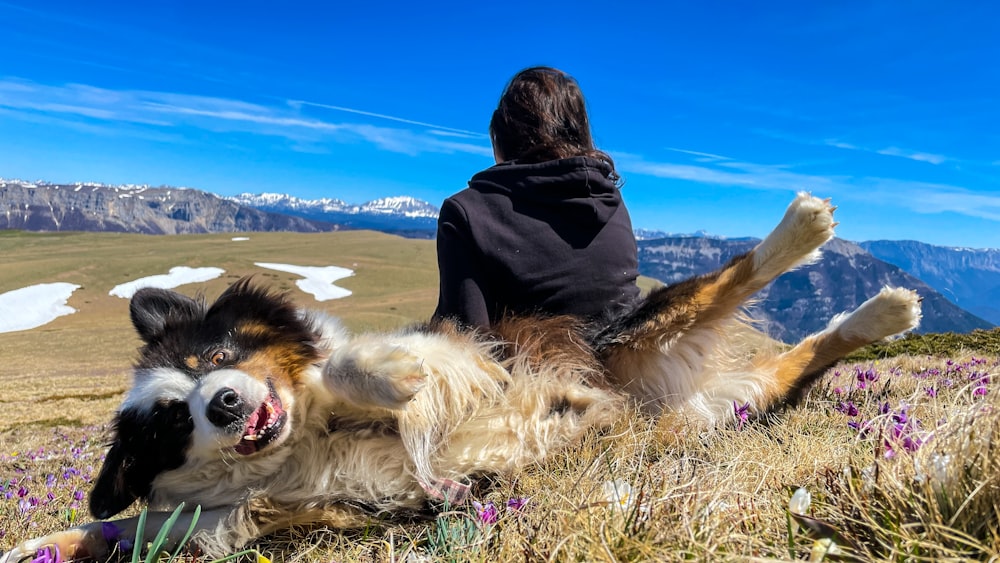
[219,357]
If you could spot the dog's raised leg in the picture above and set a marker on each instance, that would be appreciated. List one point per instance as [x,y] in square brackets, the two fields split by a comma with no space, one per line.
[891,312]
[657,352]
[669,311]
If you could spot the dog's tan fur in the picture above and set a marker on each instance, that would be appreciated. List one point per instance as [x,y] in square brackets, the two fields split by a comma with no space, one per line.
[388,422]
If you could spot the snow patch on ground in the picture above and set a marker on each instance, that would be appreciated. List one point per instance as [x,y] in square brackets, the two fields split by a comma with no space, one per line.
[318,279]
[35,305]
[179,275]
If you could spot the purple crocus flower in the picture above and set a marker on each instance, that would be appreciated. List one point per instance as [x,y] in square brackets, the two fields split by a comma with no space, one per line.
[848,408]
[742,413]
[487,513]
[517,504]
[44,555]
[900,417]
[110,532]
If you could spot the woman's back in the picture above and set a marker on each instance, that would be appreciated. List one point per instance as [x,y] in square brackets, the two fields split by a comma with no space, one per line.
[545,230]
[552,237]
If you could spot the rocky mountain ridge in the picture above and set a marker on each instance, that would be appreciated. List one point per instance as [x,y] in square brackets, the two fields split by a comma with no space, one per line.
[969,277]
[36,206]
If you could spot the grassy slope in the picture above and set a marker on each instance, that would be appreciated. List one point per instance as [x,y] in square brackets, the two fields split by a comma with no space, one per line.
[709,497]
[88,354]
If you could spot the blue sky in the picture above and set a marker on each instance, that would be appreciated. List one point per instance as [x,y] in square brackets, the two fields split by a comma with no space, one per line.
[715,112]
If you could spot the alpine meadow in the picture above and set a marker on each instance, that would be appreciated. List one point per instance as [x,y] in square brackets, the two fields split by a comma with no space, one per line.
[892,456]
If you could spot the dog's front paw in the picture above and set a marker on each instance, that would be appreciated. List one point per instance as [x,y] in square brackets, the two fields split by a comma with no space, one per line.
[402,372]
[808,223]
[69,545]
[380,374]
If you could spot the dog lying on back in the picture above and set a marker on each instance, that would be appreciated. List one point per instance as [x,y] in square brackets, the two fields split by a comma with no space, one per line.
[268,416]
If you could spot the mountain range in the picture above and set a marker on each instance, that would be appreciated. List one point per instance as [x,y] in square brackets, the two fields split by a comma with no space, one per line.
[960,287]
[969,277]
[402,215]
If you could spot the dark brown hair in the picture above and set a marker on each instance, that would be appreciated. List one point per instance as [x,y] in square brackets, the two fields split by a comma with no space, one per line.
[542,116]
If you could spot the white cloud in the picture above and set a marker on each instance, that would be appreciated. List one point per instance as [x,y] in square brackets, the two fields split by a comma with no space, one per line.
[841,145]
[928,198]
[729,173]
[76,103]
[890,151]
[913,155]
[920,197]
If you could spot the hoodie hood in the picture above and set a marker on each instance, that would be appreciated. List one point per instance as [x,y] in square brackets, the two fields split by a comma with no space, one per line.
[579,187]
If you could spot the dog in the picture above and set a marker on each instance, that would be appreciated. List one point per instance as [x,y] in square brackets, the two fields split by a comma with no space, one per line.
[269,417]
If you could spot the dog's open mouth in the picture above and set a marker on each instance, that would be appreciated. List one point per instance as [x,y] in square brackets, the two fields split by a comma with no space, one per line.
[263,425]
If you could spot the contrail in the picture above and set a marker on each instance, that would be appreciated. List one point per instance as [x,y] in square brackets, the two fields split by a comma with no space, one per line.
[389,117]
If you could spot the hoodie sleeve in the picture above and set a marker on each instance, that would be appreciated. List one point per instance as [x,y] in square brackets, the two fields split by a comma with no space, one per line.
[462,295]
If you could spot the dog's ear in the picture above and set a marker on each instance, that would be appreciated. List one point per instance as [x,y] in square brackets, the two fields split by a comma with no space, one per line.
[145,445]
[152,309]
[112,491]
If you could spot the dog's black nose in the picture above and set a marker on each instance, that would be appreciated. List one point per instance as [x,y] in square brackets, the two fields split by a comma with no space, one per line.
[225,408]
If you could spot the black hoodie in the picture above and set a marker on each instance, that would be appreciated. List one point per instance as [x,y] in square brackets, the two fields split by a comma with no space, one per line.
[552,237]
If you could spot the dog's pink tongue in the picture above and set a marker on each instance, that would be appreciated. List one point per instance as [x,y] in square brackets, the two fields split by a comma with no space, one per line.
[256,421]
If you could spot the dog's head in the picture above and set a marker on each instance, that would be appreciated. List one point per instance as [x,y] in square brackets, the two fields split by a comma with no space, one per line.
[211,382]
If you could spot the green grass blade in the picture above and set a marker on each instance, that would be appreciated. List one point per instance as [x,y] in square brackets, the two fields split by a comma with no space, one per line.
[161,537]
[187,535]
[138,544]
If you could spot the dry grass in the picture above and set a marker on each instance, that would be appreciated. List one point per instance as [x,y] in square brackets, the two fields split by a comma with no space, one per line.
[717,496]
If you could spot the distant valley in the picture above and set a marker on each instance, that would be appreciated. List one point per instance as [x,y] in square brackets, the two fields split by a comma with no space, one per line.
[960,287]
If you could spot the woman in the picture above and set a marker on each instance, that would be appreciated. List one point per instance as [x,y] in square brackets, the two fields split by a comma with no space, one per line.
[545,230]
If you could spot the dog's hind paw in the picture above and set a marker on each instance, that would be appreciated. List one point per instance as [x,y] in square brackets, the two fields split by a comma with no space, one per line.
[381,374]
[808,223]
[892,311]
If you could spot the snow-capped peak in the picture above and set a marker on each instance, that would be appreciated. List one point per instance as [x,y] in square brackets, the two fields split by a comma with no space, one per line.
[400,205]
